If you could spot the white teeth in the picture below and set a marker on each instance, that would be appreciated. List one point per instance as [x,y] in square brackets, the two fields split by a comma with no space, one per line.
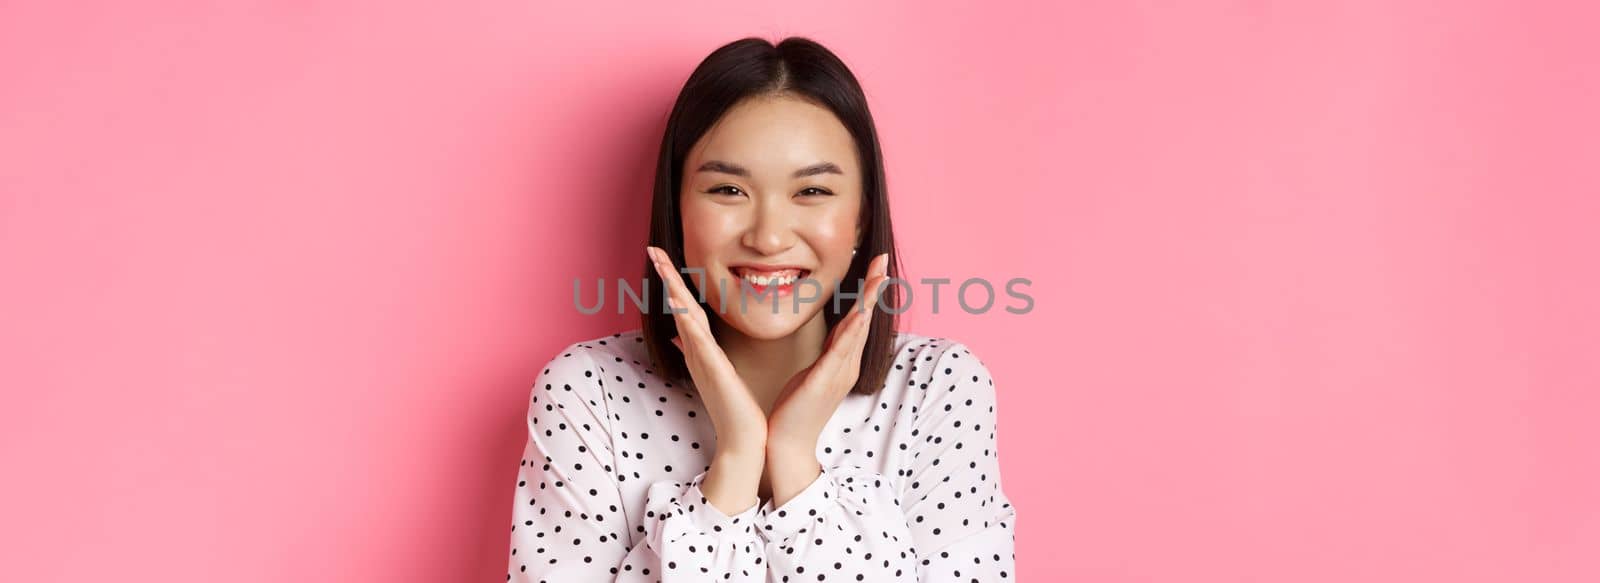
[781,278]
[768,280]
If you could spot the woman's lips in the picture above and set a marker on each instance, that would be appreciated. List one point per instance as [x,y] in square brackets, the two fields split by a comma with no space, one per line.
[782,289]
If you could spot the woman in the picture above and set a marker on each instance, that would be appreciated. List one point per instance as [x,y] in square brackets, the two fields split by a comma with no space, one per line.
[771,424]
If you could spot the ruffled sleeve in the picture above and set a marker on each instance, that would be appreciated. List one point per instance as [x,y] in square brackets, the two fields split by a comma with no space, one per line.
[695,540]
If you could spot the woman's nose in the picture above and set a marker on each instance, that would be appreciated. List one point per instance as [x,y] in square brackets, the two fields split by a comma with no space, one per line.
[769,232]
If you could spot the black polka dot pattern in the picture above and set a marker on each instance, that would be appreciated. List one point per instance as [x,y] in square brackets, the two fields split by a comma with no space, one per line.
[609,488]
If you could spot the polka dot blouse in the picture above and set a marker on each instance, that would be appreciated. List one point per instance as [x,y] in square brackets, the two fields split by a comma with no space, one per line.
[609,484]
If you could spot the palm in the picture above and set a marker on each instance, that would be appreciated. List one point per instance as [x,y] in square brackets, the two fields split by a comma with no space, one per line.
[733,410]
[810,397]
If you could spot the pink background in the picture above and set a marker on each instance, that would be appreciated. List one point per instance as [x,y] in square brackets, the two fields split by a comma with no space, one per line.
[1315,285]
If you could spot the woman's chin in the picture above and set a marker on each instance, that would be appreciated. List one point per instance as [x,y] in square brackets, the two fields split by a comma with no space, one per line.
[760,323]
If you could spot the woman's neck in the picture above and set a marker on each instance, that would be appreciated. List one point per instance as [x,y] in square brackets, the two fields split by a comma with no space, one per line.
[766,365]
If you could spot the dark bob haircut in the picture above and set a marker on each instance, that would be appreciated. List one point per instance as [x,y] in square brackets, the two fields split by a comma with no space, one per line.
[753,67]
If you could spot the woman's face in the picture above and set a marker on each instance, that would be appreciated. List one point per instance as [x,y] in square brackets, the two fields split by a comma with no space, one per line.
[775,182]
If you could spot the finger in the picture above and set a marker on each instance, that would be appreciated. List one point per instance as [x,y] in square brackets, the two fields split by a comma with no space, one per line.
[862,327]
[880,271]
[685,310]
[667,271]
[675,305]
[868,301]
[878,267]
[846,338]
[864,324]
[674,281]
[661,266]
[881,264]
[843,333]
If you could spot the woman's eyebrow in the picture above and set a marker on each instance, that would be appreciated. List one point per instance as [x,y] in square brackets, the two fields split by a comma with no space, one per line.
[737,170]
[818,168]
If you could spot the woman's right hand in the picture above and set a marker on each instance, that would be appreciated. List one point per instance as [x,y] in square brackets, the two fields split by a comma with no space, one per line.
[740,423]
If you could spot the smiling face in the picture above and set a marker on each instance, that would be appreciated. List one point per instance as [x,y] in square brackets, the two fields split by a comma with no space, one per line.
[774,183]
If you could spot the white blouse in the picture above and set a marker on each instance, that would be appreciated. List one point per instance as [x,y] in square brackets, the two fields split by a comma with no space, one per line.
[609,488]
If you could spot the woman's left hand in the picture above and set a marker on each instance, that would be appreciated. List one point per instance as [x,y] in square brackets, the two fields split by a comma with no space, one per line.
[809,399]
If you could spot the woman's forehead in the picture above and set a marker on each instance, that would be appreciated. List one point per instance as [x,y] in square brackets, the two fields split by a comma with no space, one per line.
[775,137]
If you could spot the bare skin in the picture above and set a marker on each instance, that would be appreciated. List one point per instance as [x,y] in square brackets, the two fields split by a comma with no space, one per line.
[785,463]
[776,181]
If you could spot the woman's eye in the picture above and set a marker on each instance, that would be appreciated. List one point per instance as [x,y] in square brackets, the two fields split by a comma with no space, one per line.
[734,190]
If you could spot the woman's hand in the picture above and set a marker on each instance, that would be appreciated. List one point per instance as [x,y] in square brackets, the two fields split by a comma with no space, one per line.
[810,398]
[734,479]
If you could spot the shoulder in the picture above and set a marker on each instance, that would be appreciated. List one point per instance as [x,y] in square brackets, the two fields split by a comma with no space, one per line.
[591,354]
[579,367]
[946,371]
[930,355]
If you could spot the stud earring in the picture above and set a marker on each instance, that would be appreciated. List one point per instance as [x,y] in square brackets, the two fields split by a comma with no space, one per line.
[852,251]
